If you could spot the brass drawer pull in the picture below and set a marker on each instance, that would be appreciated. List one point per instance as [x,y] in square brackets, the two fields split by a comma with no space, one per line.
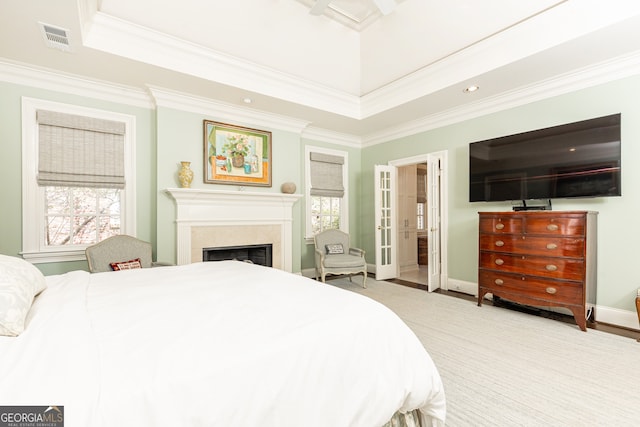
[552,227]
[551,267]
[499,261]
[499,243]
[552,246]
[499,226]
[551,290]
[499,282]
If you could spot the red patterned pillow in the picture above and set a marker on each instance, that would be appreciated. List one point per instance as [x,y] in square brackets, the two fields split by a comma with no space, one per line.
[126,265]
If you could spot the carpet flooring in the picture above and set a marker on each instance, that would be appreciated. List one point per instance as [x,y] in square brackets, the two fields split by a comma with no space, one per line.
[506,368]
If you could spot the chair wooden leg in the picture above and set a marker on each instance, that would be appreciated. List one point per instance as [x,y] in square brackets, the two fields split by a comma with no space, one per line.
[364,280]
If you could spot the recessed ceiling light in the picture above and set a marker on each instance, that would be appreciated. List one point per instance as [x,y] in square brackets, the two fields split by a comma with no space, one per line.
[247,100]
[471,88]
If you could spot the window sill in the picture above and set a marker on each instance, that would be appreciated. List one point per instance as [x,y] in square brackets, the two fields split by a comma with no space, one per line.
[42,257]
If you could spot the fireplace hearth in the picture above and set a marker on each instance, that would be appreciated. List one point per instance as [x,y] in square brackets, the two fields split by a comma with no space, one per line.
[257,254]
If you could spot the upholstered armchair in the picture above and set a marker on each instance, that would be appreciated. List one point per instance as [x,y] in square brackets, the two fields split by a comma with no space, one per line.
[334,255]
[119,249]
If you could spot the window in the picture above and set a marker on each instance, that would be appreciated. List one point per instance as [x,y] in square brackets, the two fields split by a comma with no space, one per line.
[80,215]
[78,180]
[421,196]
[325,213]
[326,190]
[421,223]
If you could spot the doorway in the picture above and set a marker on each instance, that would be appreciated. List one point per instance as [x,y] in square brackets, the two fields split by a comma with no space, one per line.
[419,226]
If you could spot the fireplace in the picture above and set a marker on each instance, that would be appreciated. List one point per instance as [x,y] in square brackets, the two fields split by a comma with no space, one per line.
[217,218]
[256,254]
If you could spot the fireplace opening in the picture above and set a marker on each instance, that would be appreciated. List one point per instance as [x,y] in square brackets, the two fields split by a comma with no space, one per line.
[257,254]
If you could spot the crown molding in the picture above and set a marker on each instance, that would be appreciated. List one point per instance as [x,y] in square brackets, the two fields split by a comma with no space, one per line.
[28,75]
[325,135]
[125,39]
[500,49]
[608,71]
[226,112]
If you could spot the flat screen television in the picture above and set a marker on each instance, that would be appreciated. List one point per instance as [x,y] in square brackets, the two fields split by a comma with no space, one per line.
[580,159]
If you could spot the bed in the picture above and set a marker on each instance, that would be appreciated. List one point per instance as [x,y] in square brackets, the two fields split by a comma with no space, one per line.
[222,343]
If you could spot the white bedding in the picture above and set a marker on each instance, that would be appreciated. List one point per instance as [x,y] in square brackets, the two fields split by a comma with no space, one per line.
[216,344]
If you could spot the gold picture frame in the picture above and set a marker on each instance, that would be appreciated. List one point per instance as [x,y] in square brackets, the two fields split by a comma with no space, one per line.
[236,155]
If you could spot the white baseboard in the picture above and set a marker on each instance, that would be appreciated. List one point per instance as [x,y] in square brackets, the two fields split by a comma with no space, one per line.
[617,317]
[462,286]
[609,315]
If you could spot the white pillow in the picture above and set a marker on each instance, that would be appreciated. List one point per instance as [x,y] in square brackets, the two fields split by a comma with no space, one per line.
[20,282]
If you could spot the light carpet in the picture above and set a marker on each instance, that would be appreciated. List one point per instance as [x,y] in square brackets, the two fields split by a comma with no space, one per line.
[505,368]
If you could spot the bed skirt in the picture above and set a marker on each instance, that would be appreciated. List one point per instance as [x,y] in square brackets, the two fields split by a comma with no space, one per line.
[410,419]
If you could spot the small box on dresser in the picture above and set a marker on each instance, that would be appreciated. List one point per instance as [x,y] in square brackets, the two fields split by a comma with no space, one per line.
[540,258]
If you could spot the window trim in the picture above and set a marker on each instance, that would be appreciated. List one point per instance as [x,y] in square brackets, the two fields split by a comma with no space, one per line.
[33,248]
[344,205]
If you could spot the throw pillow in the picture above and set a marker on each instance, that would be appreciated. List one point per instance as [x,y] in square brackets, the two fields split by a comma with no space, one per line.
[126,265]
[20,282]
[335,248]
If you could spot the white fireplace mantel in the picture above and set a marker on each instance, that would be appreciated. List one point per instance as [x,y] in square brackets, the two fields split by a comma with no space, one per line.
[202,208]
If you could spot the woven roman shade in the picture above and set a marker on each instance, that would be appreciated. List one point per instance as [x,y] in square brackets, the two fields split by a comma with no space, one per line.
[79,151]
[326,175]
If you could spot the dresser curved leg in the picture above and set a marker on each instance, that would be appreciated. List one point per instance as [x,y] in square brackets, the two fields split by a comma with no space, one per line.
[581,320]
[481,294]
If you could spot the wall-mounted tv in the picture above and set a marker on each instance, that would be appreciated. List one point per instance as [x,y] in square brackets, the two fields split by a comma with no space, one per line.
[580,159]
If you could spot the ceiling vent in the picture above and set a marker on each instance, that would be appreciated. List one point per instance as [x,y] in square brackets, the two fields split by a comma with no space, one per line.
[55,37]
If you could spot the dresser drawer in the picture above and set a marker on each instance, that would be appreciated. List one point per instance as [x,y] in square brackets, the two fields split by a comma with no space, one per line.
[499,224]
[557,268]
[556,225]
[546,246]
[533,287]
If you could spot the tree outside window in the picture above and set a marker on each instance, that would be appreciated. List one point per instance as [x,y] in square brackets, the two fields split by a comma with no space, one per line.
[80,215]
[325,213]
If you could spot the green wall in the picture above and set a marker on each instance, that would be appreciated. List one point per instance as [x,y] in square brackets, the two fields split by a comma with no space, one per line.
[618,229]
[355,205]
[11,166]
[166,136]
[180,138]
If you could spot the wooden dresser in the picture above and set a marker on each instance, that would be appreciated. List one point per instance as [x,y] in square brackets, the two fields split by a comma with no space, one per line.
[541,259]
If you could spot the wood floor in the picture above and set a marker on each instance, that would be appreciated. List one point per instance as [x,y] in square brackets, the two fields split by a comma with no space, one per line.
[625,332]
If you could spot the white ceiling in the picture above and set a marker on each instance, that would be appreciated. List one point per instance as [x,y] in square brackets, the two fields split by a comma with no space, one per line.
[367,79]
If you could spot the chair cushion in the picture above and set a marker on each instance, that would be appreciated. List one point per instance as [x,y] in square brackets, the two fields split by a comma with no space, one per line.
[334,248]
[343,260]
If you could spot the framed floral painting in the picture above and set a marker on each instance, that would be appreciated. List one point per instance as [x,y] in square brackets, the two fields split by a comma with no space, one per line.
[236,155]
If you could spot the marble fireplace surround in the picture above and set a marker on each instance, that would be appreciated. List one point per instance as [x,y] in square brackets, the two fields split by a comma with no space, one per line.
[216,218]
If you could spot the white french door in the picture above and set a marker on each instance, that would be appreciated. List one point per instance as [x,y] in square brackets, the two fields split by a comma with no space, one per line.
[436,217]
[434,242]
[384,200]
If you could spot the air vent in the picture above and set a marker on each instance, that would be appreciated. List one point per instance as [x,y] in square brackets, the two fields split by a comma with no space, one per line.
[55,37]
